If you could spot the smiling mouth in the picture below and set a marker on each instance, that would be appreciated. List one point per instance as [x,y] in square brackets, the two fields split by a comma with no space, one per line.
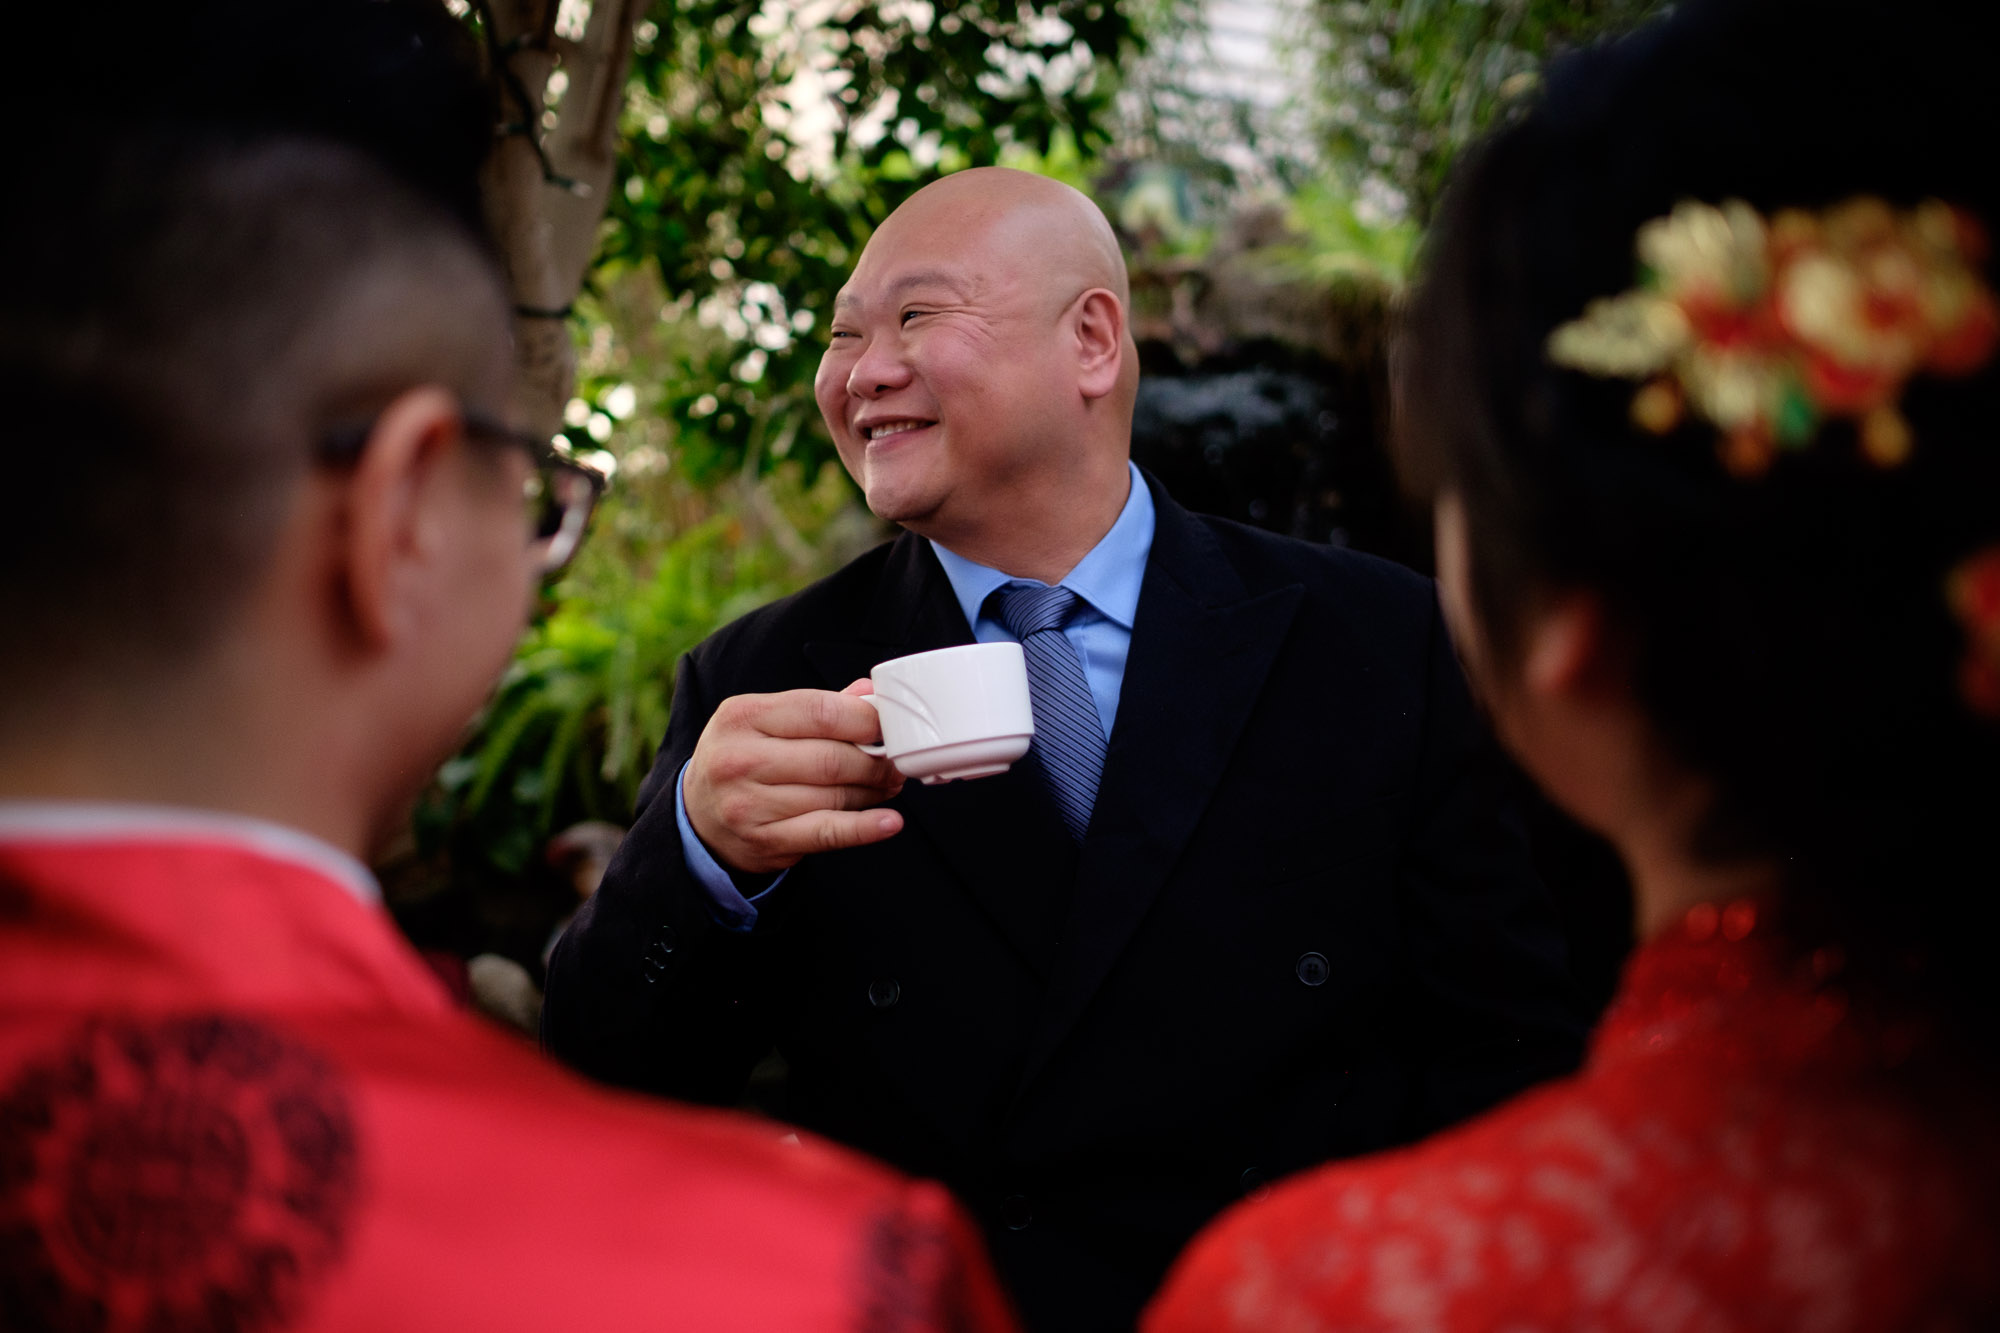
[882,430]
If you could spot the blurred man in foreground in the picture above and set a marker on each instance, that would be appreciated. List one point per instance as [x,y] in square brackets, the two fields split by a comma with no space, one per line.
[266,552]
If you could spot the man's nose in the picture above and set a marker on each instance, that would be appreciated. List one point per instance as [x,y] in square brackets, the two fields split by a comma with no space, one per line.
[878,370]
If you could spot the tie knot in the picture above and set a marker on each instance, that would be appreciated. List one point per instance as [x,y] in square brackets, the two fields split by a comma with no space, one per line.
[1027,608]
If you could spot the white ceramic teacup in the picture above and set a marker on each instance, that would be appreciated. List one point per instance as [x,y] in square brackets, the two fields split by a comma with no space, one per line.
[955,712]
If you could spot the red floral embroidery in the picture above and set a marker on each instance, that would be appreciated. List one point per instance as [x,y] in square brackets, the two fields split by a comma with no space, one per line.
[1746,1150]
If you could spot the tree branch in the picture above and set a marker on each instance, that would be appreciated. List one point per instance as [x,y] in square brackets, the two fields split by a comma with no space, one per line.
[544,201]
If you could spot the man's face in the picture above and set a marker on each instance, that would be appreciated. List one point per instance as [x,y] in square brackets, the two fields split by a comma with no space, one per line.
[942,381]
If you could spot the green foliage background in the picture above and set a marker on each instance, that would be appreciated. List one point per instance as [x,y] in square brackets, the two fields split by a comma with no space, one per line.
[1409,83]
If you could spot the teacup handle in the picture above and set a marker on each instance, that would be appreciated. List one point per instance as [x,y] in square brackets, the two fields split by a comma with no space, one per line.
[872,751]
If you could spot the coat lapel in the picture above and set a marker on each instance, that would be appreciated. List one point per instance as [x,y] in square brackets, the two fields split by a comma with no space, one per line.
[1201,648]
[1001,834]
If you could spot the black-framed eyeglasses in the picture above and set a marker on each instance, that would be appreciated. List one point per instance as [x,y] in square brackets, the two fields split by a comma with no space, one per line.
[560,491]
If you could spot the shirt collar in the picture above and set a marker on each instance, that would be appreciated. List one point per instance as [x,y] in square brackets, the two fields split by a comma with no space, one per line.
[114,821]
[1108,577]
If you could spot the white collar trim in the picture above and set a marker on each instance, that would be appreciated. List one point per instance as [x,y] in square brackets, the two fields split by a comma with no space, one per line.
[115,821]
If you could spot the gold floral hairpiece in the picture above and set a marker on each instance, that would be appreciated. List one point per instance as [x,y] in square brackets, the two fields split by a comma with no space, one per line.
[1765,329]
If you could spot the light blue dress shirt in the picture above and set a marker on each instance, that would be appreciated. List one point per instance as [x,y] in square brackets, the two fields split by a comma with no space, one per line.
[1106,581]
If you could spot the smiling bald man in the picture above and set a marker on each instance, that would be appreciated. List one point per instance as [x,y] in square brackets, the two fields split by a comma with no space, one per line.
[1291,919]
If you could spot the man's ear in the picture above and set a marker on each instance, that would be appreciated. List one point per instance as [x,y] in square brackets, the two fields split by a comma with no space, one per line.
[1570,650]
[1100,342]
[395,530]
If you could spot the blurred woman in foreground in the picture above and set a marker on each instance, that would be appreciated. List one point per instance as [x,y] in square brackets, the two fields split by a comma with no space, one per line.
[1701,381]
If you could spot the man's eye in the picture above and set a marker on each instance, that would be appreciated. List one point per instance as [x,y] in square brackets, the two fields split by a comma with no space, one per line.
[838,334]
[909,315]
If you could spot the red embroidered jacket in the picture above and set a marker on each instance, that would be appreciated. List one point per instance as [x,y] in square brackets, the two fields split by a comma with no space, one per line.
[232,1098]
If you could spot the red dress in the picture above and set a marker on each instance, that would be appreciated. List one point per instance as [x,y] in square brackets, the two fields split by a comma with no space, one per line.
[231,1098]
[1741,1151]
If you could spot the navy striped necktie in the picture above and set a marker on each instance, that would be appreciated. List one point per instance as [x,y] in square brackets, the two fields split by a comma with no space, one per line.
[1069,739]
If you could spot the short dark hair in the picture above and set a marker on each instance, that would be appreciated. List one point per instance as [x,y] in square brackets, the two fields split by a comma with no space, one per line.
[185,314]
[403,81]
[1791,642]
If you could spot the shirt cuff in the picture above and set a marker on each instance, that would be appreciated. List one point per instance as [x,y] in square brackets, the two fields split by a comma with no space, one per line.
[731,910]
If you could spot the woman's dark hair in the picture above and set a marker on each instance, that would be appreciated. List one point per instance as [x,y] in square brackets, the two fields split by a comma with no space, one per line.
[1790,636]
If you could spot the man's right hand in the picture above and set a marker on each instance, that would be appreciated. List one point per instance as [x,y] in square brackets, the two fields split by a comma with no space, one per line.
[777,776]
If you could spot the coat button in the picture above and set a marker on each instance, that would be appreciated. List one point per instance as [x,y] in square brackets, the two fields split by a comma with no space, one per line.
[1313,969]
[883,994]
[1016,1213]
[665,940]
[1253,1183]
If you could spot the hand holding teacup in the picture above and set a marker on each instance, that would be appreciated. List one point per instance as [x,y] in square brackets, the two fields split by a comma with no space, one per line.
[777,776]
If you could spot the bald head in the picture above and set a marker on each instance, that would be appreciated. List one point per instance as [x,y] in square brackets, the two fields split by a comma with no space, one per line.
[1054,231]
[980,374]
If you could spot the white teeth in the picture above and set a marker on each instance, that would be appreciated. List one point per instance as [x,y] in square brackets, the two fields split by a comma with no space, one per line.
[877,431]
